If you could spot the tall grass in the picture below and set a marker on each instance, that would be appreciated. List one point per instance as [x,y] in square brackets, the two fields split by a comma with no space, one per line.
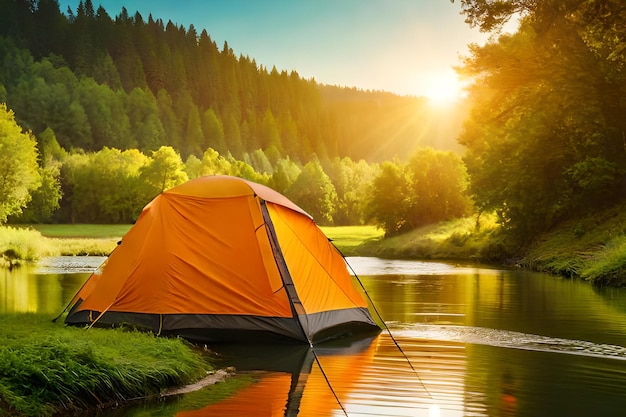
[46,368]
[591,247]
[18,245]
[27,244]
[610,266]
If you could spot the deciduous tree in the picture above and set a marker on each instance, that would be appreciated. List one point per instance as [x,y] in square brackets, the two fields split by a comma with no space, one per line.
[19,173]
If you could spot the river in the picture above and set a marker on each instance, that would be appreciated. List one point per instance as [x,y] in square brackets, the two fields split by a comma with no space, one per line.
[461,340]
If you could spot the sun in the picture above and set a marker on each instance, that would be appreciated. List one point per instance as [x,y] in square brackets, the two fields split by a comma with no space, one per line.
[444,88]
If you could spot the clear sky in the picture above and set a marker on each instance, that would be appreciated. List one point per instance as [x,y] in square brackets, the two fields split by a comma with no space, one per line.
[407,47]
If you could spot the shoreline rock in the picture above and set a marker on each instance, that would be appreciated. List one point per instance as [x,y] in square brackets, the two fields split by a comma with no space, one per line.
[213,378]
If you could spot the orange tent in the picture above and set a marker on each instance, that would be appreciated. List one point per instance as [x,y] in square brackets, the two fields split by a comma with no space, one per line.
[218,259]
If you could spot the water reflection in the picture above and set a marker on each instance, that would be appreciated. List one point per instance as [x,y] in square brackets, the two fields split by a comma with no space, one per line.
[370,377]
[24,291]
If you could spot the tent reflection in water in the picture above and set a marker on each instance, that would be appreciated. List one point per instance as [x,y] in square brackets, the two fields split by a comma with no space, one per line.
[294,386]
[221,259]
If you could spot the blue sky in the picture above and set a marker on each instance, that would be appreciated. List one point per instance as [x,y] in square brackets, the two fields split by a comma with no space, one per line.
[400,46]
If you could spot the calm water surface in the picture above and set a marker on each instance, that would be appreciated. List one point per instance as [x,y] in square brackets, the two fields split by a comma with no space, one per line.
[462,341]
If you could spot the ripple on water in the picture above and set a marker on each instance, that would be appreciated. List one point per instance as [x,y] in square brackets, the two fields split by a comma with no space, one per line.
[69,264]
[379,266]
[511,339]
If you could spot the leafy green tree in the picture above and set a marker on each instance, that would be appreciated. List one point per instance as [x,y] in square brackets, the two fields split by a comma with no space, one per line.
[105,72]
[49,148]
[269,131]
[105,110]
[46,199]
[19,171]
[171,124]
[120,199]
[72,169]
[193,167]
[106,187]
[390,201]
[544,120]
[286,172]
[438,182]
[352,182]
[315,193]
[232,136]
[43,97]
[215,164]
[164,170]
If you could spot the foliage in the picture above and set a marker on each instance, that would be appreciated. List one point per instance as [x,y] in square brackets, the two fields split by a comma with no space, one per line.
[610,268]
[388,205]
[163,171]
[115,104]
[105,186]
[45,200]
[438,183]
[19,174]
[430,188]
[545,139]
[314,192]
[352,181]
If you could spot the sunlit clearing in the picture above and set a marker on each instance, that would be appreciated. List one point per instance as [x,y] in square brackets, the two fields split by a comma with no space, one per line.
[444,88]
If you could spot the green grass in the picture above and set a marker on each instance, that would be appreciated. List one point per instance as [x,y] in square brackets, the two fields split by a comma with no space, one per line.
[456,239]
[349,238]
[96,231]
[591,247]
[46,368]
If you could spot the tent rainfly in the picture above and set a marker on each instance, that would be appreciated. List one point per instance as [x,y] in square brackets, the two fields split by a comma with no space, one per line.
[223,259]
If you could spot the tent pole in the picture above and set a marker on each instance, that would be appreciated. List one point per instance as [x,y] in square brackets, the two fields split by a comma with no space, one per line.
[297,309]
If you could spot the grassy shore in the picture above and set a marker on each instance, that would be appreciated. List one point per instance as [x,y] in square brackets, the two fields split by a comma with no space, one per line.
[592,248]
[47,368]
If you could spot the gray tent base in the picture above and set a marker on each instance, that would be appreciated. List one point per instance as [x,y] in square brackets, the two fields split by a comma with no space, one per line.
[211,329]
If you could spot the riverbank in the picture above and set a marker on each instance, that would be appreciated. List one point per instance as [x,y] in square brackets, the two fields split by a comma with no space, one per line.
[592,248]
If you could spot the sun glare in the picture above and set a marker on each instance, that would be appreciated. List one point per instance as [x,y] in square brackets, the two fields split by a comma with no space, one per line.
[444,88]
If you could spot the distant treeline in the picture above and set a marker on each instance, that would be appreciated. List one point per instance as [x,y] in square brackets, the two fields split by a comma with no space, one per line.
[42,183]
[130,82]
